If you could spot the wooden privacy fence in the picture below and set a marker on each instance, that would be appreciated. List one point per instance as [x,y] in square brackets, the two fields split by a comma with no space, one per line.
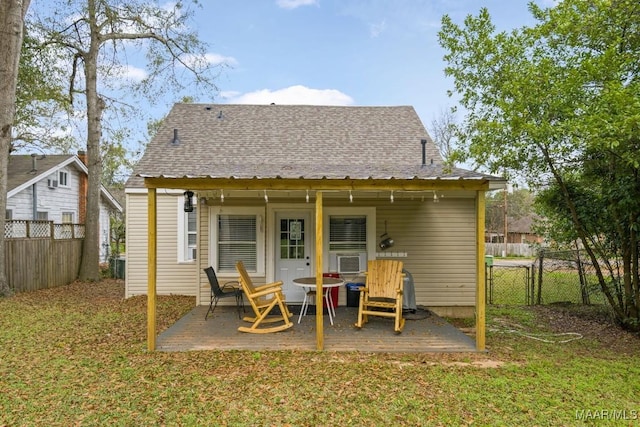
[513,249]
[41,254]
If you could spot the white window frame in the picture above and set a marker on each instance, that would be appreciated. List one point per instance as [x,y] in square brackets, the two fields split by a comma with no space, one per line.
[259,213]
[70,214]
[64,174]
[184,251]
[368,212]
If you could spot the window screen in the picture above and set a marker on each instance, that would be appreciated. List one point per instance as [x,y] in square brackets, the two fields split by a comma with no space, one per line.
[237,241]
[348,233]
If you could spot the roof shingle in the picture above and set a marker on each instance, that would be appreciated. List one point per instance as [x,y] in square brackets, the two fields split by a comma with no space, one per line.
[292,141]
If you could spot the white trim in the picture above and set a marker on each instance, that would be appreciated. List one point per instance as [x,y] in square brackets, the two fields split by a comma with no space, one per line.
[56,171]
[116,205]
[43,175]
[272,211]
[66,178]
[259,212]
[369,212]
[181,230]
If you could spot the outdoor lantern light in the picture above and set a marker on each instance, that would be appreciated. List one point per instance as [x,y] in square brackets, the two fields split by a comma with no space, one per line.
[188,202]
[386,241]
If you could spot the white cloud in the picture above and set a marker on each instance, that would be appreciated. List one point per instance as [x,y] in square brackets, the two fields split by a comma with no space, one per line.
[292,4]
[294,95]
[209,58]
[130,72]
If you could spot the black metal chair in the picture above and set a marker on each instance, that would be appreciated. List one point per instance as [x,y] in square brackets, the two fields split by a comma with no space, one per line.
[225,291]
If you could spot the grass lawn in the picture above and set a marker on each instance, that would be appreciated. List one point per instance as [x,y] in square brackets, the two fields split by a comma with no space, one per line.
[77,355]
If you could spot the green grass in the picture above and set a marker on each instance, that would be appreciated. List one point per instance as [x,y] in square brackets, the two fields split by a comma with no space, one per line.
[76,356]
[512,285]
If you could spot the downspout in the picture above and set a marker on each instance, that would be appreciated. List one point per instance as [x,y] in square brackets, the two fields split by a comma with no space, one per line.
[34,201]
[34,189]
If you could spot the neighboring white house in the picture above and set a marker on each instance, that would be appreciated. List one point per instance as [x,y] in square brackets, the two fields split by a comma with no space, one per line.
[53,188]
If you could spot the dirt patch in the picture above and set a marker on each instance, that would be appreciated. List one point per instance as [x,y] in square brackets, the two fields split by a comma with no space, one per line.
[593,323]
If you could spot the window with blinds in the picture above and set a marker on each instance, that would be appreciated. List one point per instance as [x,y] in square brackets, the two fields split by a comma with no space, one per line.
[237,241]
[348,233]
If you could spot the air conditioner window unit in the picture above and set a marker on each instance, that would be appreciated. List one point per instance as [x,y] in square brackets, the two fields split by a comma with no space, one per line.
[51,183]
[351,263]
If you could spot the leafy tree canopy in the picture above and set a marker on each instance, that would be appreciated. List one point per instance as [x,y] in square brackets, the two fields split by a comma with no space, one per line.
[558,104]
[93,41]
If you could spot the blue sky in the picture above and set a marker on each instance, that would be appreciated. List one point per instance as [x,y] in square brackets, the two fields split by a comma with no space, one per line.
[339,52]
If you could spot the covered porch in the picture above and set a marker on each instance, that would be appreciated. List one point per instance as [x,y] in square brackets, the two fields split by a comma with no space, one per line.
[424,332]
[318,332]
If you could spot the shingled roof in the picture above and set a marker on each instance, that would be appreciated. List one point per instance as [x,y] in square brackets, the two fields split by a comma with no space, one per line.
[24,168]
[293,142]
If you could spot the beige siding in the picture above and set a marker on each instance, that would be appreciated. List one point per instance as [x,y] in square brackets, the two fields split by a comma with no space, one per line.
[438,238]
[172,277]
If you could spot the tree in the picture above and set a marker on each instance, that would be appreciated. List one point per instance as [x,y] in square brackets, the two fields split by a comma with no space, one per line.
[558,104]
[443,131]
[94,36]
[12,13]
[519,204]
[42,106]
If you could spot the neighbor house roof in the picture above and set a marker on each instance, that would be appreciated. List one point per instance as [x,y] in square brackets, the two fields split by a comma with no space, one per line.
[523,225]
[24,170]
[293,142]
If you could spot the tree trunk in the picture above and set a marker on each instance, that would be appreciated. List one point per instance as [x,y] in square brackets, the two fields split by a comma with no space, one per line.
[89,266]
[12,14]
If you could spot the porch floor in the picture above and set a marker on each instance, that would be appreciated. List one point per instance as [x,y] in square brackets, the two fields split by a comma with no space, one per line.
[220,332]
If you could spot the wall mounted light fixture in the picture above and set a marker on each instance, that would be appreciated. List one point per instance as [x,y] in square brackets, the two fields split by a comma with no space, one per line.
[188,201]
[386,241]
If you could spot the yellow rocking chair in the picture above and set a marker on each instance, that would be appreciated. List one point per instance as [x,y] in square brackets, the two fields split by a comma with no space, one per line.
[382,293]
[264,299]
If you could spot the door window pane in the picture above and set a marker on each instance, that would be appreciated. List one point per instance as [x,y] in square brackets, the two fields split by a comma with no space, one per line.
[292,235]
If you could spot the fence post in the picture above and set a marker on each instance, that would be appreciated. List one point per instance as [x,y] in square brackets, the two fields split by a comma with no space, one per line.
[540,274]
[532,284]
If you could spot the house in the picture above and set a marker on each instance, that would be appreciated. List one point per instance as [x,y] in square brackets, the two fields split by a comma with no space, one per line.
[52,187]
[299,191]
[521,230]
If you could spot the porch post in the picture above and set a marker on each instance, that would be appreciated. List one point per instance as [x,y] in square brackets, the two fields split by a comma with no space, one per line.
[480,274]
[151,269]
[319,290]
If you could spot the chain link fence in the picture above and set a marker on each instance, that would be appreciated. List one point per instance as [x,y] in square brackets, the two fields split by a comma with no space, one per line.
[553,277]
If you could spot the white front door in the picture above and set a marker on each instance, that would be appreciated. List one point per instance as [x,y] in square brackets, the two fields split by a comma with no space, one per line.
[293,252]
